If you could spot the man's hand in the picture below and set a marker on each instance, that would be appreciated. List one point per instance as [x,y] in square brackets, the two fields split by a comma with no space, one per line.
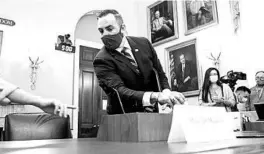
[177,97]
[164,99]
[161,98]
[5,101]
[53,106]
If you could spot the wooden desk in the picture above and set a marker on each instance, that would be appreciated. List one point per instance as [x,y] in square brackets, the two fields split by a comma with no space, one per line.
[93,146]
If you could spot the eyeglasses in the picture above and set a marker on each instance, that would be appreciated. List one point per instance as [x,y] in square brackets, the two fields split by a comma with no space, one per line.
[259,78]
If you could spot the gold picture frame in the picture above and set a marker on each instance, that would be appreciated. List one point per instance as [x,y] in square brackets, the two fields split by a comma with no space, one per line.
[177,73]
[199,15]
[165,27]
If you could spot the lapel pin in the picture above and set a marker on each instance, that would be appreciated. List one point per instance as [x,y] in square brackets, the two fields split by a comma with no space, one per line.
[136,50]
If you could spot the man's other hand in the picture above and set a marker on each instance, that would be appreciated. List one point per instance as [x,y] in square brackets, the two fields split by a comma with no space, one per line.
[177,97]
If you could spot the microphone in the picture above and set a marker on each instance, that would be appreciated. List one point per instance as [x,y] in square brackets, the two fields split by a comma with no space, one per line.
[108,84]
[157,79]
[163,107]
[119,99]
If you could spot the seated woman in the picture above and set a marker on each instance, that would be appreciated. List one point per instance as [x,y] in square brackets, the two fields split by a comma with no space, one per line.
[215,93]
[11,93]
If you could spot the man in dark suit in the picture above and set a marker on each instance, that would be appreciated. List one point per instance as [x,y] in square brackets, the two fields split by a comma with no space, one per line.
[124,67]
[184,74]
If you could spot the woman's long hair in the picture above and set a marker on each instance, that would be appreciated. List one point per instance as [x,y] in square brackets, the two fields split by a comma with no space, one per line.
[207,83]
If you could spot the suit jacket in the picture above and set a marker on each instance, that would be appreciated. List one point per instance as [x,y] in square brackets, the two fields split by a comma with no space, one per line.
[114,71]
[187,71]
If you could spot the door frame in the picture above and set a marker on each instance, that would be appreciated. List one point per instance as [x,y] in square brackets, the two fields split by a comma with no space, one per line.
[76,70]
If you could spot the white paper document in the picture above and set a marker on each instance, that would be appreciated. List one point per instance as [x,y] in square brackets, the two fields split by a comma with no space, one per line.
[200,124]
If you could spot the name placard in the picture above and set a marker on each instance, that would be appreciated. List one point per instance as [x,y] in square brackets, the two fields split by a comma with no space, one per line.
[7,22]
[200,124]
[65,48]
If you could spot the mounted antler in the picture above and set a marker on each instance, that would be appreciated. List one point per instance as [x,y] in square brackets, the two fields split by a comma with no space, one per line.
[216,61]
[34,67]
[32,62]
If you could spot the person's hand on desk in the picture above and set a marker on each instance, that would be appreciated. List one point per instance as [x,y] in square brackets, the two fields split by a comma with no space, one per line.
[53,106]
[5,101]
[161,98]
[177,97]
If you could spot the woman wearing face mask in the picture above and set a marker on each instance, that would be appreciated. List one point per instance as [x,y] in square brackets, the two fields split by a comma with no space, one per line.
[215,93]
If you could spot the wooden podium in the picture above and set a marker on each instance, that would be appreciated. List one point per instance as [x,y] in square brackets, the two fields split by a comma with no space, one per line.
[135,127]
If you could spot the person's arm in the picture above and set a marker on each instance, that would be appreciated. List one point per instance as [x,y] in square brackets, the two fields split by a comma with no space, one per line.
[52,106]
[156,64]
[176,97]
[109,79]
[202,103]
[229,99]
[154,27]
[11,93]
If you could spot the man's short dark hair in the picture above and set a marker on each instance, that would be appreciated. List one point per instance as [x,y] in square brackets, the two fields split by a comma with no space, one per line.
[259,72]
[182,54]
[243,88]
[118,17]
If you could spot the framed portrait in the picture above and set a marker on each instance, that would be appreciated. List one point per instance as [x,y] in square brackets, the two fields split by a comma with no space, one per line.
[183,68]
[199,14]
[162,22]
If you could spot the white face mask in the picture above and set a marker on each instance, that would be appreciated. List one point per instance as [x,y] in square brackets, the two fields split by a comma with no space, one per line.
[244,99]
[213,78]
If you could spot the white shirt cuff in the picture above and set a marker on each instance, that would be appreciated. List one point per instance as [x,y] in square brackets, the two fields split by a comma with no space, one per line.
[146,99]
[166,91]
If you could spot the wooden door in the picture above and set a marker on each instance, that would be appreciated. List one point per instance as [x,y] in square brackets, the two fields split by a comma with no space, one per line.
[90,95]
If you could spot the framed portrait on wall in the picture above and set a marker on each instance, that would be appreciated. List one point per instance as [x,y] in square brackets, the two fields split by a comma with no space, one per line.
[183,68]
[162,22]
[1,40]
[199,14]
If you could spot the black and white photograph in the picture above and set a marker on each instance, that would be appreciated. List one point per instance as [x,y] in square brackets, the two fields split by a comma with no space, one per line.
[162,22]
[131,76]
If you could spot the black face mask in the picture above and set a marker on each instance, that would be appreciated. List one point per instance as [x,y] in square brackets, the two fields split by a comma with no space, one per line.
[112,41]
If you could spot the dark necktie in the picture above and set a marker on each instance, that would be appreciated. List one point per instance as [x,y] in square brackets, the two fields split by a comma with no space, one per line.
[130,58]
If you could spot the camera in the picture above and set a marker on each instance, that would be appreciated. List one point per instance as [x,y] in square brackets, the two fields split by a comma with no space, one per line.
[231,78]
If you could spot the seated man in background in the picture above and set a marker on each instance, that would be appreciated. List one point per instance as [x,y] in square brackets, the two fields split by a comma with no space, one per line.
[161,27]
[11,93]
[256,95]
[184,77]
[243,102]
